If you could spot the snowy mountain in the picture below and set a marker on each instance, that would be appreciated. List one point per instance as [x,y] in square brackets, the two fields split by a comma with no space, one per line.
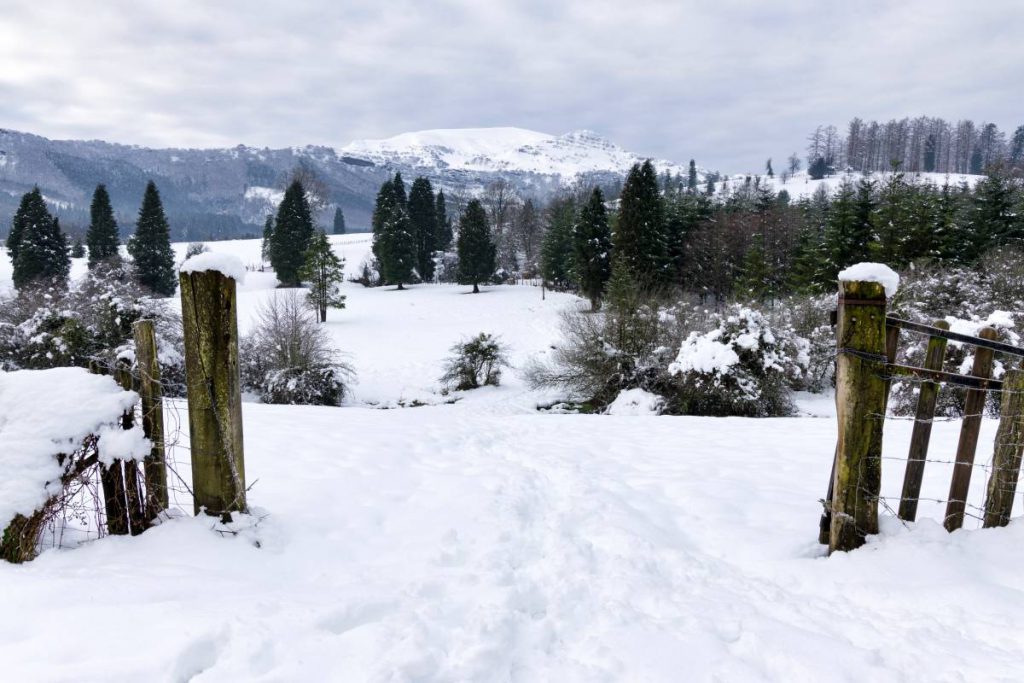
[501,150]
[217,193]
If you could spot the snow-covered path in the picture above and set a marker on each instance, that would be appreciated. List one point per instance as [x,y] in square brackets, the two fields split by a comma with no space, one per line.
[441,544]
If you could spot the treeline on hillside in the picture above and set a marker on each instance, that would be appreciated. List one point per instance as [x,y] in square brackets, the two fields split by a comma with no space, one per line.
[923,144]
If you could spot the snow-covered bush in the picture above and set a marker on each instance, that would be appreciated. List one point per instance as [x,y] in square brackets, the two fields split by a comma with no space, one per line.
[625,346]
[53,327]
[810,319]
[288,357]
[446,267]
[475,363]
[740,367]
[369,273]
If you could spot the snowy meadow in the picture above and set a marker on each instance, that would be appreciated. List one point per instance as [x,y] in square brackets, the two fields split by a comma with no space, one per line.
[414,535]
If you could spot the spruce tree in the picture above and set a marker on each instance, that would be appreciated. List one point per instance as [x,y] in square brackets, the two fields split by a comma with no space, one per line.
[640,239]
[38,248]
[292,235]
[102,237]
[556,248]
[444,237]
[1016,157]
[849,231]
[691,178]
[78,248]
[339,221]
[423,220]
[475,247]
[324,272]
[150,246]
[768,168]
[399,188]
[268,240]
[592,249]
[394,244]
[995,219]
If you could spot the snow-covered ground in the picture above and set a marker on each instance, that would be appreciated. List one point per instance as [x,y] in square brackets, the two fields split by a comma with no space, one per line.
[485,541]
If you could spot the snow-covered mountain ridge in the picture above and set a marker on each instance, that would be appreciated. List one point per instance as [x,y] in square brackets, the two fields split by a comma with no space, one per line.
[498,150]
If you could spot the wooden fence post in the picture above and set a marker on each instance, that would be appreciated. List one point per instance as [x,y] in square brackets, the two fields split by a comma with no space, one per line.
[922,434]
[151,393]
[1002,484]
[132,485]
[209,318]
[861,390]
[974,408]
[112,483]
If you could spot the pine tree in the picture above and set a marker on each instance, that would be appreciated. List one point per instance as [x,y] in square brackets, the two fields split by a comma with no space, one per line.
[324,272]
[268,240]
[444,237]
[556,248]
[292,234]
[339,221]
[423,220]
[475,247]
[640,233]
[399,188]
[691,178]
[150,246]
[78,248]
[592,249]
[1016,157]
[994,218]
[893,221]
[102,236]
[38,248]
[768,168]
[848,233]
[394,244]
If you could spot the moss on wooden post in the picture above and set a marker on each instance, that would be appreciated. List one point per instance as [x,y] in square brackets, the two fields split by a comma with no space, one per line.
[861,390]
[151,393]
[209,318]
[1002,485]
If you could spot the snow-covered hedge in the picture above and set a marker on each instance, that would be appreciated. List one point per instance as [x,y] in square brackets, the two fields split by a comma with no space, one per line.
[740,367]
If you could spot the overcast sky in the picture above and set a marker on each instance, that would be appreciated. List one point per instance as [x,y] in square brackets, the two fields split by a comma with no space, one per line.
[728,82]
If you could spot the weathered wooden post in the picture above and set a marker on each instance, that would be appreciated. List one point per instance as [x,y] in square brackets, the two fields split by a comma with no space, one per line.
[112,483]
[1002,484]
[974,409]
[861,390]
[132,485]
[922,434]
[210,321]
[151,393]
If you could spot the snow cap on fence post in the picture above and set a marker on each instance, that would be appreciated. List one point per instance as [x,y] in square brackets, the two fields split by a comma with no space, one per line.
[872,272]
[228,265]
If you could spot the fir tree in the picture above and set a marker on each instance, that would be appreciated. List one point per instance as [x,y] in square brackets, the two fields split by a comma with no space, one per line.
[848,229]
[709,190]
[1016,157]
[268,239]
[102,236]
[150,246]
[339,221]
[423,220]
[994,218]
[324,272]
[292,234]
[691,178]
[398,186]
[444,237]
[78,248]
[592,249]
[556,248]
[38,248]
[475,247]
[768,168]
[818,168]
[394,244]
[640,233]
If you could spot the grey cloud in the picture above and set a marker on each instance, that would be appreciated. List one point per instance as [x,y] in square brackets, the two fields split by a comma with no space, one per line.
[728,83]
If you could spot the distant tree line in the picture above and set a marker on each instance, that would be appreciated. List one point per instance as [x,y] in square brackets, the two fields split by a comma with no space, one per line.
[922,144]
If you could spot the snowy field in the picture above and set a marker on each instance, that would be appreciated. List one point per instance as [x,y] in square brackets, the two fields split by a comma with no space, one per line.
[484,541]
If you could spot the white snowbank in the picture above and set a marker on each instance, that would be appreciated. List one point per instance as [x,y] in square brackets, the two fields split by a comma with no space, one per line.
[636,402]
[873,272]
[227,264]
[46,412]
